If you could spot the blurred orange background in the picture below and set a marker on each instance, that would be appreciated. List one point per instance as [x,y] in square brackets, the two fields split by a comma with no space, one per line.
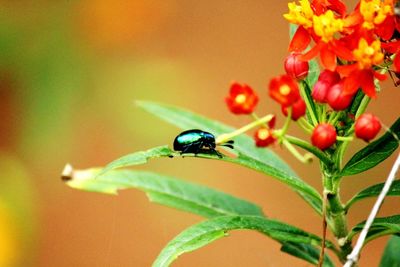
[70,72]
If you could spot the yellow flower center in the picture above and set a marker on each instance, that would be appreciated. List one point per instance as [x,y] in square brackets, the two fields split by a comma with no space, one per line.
[300,14]
[368,55]
[263,134]
[326,25]
[375,12]
[240,99]
[284,89]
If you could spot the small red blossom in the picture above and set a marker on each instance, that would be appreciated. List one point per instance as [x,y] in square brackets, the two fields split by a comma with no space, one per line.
[241,99]
[296,68]
[264,137]
[367,126]
[298,109]
[337,99]
[323,136]
[284,90]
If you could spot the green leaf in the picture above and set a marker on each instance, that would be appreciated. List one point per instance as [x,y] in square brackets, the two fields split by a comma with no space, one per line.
[306,191]
[374,153]
[205,232]
[374,191]
[391,255]
[306,252]
[380,227]
[164,190]
[267,161]
[185,119]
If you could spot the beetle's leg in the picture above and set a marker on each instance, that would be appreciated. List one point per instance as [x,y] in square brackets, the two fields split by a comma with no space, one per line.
[214,151]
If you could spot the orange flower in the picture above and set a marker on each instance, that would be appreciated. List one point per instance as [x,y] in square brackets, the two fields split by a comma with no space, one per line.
[361,74]
[242,99]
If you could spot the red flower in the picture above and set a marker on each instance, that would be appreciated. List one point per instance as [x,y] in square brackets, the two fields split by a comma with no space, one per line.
[242,99]
[296,68]
[367,126]
[298,109]
[323,136]
[284,90]
[264,137]
[337,99]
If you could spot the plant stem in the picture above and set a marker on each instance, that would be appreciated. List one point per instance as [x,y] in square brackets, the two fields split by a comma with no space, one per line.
[225,137]
[310,148]
[353,257]
[335,212]
[309,103]
[324,224]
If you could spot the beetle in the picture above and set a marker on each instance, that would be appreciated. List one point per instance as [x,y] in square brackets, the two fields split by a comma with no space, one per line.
[198,141]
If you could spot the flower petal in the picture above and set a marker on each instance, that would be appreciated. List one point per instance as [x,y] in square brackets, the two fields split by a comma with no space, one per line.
[367,83]
[328,58]
[386,28]
[300,40]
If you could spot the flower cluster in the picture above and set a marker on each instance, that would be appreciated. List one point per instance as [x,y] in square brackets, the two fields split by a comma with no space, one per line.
[356,50]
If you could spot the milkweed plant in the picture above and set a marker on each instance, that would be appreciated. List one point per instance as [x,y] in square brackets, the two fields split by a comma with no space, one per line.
[336,62]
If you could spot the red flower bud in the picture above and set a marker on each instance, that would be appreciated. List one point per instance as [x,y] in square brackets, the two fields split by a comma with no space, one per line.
[320,91]
[337,99]
[242,99]
[264,137]
[331,77]
[323,136]
[296,68]
[284,90]
[367,126]
[298,109]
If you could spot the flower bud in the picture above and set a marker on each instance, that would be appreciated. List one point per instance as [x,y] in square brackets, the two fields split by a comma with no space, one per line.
[331,77]
[323,136]
[367,126]
[296,68]
[264,137]
[337,99]
[241,99]
[298,109]
[320,91]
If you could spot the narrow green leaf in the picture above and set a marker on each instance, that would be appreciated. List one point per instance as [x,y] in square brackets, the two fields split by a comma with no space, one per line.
[205,232]
[374,153]
[306,252]
[185,119]
[380,227]
[164,190]
[356,102]
[374,191]
[391,255]
[244,145]
[306,191]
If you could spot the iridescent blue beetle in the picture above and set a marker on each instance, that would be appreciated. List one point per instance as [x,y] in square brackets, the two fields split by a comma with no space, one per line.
[198,141]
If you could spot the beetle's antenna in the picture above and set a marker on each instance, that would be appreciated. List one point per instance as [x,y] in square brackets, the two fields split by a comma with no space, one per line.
[227,145]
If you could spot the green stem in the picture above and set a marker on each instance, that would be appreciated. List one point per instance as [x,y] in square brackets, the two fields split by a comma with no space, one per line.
[363,106]
[225,137]
[307,158]
[307,100]
[336,213]
[310,148]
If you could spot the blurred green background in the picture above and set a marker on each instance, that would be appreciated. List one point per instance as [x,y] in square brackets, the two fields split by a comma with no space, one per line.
[70,72]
